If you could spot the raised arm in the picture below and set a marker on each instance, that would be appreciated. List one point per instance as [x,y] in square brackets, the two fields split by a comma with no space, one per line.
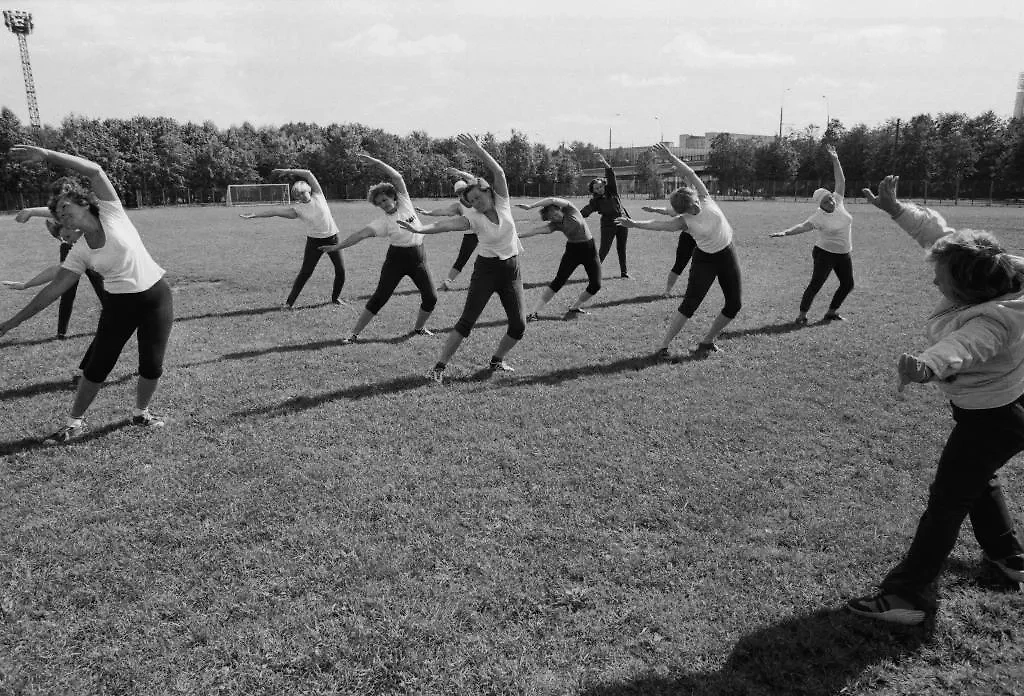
[837,171]
[63,280]
[611,187]
[684,169]
[451,224]
[675,224]
[460,174]
[42,278]
[101,185]
[551,200]
[447,211]
[924,225]
[394,174]
[473,145]
[273,211]
[304,174]
[26,214]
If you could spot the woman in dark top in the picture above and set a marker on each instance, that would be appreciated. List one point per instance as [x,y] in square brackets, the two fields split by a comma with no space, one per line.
[605,200]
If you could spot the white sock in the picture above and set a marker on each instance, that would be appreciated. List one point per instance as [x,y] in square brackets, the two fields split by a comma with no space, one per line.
[74,422]
[140,411]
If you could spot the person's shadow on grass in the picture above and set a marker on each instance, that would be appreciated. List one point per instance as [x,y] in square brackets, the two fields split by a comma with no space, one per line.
[816,654]
[27,444]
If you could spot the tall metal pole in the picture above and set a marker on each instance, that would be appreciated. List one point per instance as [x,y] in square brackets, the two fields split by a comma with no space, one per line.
[20,24]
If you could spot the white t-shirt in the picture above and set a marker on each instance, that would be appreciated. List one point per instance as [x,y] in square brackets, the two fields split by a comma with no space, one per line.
[388,226]
[835,229]
[317,216]
[123,261]
[709,229]
[496,241]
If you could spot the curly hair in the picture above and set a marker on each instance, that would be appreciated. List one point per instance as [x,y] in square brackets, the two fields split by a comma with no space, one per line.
[479,184]
[385,187]
[682,198]
[978,265]
[72,189]
[300,185]
[595,182]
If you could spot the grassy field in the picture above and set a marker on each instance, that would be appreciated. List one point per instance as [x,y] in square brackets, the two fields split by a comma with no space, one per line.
[318,518]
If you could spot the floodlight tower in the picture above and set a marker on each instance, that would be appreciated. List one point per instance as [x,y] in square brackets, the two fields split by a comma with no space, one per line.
[20,23]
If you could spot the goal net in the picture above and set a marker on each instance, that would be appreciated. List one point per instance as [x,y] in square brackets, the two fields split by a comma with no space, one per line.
[258,194]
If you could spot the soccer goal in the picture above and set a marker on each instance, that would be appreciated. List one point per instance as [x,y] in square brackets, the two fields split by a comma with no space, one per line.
[258,194]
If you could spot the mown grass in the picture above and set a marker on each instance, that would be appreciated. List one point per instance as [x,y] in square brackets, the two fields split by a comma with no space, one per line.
[318,518]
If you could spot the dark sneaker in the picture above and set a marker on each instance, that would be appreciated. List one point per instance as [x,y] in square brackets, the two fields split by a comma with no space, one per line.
[65,434]
[423,332]
[337,302]
[576,311]
[800,321]
[436,374]
[625,275]
[532,316]
[703,350]
[833,316]
[887,607]
[349,340]
[62,337]
[500,366]
[148,420]
[1011,566]
[288,306]
[663,355]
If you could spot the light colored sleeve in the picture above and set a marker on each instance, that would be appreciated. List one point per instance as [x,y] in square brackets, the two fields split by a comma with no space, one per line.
[77,260]
[924,225]
[379,227]
[978,340]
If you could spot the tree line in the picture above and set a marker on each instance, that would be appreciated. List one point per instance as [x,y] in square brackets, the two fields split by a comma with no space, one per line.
[948,156]
[159,161]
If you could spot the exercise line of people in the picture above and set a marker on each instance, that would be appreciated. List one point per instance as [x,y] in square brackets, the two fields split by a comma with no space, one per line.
[977,330]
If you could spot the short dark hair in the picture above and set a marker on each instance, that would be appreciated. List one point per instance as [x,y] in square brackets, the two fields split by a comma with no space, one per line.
[978,265]
[66,187]
[595,182]
[545,212]
[385,187]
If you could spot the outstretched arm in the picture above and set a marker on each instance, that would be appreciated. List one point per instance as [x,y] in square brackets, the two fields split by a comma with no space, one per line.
[683,168]
[352,239]
[460,174]
[676,224]
[447,211]
[394,174]
[451,224]
[551,200]
[837,171]
[26,214]
[473,145]
[304,174]
[804,226]
[101,185]
[534,231]
[47,296]
[42,278]
[275,211]
[659,211]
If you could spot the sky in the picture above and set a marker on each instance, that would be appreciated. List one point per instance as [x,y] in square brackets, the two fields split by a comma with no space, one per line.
[632,71]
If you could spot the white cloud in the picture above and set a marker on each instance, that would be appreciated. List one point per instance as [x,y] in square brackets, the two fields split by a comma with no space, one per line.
[887,38]
[385,41]
[625,80]
[697,52]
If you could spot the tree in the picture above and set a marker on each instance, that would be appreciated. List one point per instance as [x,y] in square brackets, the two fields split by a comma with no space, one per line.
[775,161]
[957,151]
[647,174]
[518,162]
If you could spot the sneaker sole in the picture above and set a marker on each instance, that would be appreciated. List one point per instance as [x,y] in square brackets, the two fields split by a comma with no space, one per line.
[903,617]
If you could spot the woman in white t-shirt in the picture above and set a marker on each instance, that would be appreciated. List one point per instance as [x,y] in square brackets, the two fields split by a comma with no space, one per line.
[496,269]
[406,255]
[138,299]
[312,209]
[714,258]
[831,252]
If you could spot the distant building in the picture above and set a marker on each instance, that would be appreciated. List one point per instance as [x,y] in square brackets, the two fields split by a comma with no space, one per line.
[690,148]
[1018,104]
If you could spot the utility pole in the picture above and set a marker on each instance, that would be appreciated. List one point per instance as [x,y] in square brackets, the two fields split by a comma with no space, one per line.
[20,24]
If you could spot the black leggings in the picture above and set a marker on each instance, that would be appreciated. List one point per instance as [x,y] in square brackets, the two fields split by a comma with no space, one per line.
[493,275]
[310,258]
[722,265]
[150,313]
[401,262]
[684,251]
[67,300]
[579,254]
[469,242]
[825,262]
[619,235]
